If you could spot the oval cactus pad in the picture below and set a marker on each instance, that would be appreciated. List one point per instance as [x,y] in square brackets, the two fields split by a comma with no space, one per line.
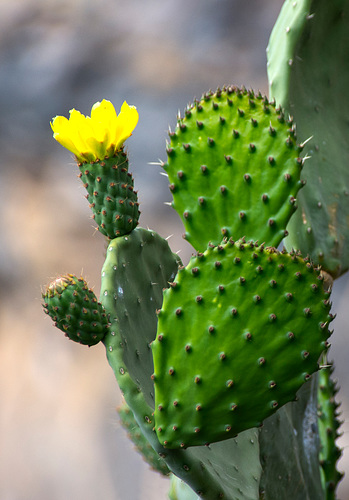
[234,168]
[75,310]
[240,330]
[111,196]
[136,269]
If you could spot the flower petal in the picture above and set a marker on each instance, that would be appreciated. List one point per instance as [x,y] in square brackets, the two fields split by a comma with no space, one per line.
[126,122]
[62,134]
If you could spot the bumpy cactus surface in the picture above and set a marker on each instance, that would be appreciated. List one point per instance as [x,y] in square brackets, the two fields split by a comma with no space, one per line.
[217,359]
[75,310]
[111,195]
[234,168]
[239,316]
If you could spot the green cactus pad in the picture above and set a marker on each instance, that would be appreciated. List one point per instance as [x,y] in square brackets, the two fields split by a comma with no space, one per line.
[289,447]
[137,268]
[234,168]
[141,443]
[75,310]
[309,76]
[329,424]
[240,330]
[110,194]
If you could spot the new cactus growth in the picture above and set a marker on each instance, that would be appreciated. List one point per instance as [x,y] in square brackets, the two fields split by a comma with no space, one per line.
[75,310]
[215,358]
[111,195]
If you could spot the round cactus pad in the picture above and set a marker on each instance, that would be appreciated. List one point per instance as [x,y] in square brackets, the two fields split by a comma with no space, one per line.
[234,169]
[240,330]
[74,308]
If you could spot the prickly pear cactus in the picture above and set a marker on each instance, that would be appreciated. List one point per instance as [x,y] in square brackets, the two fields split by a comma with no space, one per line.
[309,76]
[238,316]
[234,168]
[205,353]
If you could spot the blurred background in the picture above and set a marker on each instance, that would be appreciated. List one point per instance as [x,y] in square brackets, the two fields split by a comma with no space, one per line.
[59,432]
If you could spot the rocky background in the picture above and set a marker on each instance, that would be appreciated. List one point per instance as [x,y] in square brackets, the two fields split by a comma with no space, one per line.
[59,433]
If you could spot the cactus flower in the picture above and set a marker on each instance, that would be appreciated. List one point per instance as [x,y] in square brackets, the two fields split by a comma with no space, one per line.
[97,136]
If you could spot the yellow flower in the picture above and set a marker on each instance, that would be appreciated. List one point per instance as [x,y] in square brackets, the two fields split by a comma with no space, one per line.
[98,136]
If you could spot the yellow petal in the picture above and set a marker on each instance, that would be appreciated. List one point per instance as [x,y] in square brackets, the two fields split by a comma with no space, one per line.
[79,129]
[103,113]
[126,122]
[62,134]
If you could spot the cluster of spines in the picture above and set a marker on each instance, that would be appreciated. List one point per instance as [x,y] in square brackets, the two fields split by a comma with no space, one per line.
[229,92]
[239,92]
[111,194]
[75,310]
[328,423]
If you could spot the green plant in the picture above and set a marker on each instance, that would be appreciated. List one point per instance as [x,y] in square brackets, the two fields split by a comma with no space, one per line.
[211,356]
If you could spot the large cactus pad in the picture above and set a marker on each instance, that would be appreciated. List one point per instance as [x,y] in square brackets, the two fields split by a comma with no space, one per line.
[240,330]
[309,76]
[234,168]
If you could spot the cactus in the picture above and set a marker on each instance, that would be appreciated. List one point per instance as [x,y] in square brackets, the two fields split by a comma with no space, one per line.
[217,360]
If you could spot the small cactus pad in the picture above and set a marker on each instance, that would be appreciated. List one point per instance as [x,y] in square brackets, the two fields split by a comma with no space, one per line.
[110,194]
[240,330]
[139,440]
[329,424]
[309,76]
[234,168]
[137,268]
[75,310]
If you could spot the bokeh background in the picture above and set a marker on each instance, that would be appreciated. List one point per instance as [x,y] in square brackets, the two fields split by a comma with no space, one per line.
[59,433]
